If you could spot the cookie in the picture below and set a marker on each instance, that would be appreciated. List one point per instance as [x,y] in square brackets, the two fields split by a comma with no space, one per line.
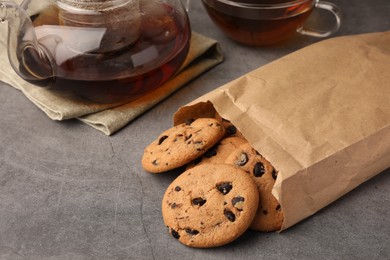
[210,205]
[219,152]
[269,216]
[181,144]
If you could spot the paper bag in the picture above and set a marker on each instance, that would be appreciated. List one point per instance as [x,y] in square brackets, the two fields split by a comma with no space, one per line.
[320,115]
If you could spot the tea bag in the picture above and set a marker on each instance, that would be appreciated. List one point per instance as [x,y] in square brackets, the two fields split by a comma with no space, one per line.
[120,21]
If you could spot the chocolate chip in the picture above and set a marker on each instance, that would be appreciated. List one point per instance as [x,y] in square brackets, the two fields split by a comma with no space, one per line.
[224,187]
[178,137]
[197,160]
[211,152]
[162,139]
[238,203]
[242,160]
[265,212]
[278,207]
[198,201]
[177,188]
[155,163]
[189,121]
[173,205]
[236,200]
[192,231]
[199,145]
[229,215]
[274,174]
[259,170]
[175,234]
[231,130]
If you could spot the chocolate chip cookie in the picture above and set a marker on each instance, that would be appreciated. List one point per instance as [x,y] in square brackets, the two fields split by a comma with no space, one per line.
[269,216]
[210,205]
[181,144]
[219,152]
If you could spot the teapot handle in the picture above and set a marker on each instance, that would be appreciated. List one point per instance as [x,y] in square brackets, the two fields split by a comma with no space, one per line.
[24,52]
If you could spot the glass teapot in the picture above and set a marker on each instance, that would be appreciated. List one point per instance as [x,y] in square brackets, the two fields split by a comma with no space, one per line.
[103,50]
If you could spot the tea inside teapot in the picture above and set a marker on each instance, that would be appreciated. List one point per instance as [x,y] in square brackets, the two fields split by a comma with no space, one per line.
[104,50]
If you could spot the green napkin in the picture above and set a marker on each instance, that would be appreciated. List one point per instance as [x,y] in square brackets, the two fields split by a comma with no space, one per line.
[204,54]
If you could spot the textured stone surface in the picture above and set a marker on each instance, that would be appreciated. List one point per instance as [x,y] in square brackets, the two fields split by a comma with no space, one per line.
[69,192]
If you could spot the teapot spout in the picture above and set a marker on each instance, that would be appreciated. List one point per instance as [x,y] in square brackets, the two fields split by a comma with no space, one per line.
[28,58]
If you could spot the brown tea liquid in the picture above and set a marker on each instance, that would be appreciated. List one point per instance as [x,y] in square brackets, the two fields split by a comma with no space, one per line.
[258,31]
[123,74]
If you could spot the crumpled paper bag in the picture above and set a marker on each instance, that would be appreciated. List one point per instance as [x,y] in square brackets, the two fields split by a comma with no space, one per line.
[320,115]
[204,54]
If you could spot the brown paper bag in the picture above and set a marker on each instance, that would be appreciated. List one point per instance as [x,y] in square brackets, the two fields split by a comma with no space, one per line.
[320,115]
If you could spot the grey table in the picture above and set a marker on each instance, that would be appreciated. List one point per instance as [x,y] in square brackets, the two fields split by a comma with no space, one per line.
[69,192]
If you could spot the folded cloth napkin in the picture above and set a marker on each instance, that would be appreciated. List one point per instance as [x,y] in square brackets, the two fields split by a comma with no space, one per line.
[204,54]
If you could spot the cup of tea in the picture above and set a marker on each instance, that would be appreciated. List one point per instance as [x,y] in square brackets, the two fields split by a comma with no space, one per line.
[265,22]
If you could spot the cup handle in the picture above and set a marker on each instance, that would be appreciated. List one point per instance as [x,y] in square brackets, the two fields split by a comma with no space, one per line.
[334,9]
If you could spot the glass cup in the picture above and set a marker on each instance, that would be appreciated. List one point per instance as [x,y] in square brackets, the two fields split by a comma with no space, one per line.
[265,22]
